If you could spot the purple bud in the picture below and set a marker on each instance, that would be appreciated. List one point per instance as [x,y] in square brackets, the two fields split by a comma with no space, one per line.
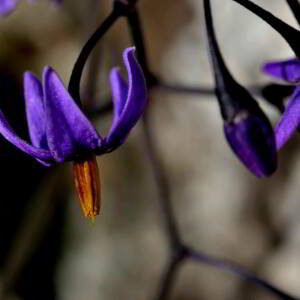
[247,129]
[251,137]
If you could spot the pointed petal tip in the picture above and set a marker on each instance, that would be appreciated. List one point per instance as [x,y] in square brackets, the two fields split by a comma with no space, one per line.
[28,75]
[30,81]
[114,74]
[129,50]
[129,56]
[47,71]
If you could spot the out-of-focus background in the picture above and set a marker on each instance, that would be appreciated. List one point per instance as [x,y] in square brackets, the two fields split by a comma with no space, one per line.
[49,251]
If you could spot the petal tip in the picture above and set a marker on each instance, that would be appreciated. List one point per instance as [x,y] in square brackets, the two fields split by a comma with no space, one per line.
[129,50]
[47,70]
[114,74]
[29,77]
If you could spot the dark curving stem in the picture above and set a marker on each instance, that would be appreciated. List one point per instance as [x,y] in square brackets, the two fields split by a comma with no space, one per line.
[295,8]
[135,28]
[222,76]
[233,98]
[290,34]
[223,79]
[119,9]
[160,178]
[163,189]
[190,90]
[171,272]
[234,268]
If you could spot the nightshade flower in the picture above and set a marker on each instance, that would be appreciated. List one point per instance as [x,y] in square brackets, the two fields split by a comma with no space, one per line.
[59,130]
[8,6]
[289,71]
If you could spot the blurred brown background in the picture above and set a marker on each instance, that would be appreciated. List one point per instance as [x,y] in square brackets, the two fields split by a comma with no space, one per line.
[49,251]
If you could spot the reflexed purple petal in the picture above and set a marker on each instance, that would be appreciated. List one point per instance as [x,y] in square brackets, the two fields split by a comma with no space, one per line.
[119,94]
[68,130]
[36,118]
[127,112]
[252,139]
[289,120]
[7,6]
[288,70]
[44,156]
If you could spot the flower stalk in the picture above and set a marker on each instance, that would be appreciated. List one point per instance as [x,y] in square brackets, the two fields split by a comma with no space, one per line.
[295,8]
[119,9]
[290,34]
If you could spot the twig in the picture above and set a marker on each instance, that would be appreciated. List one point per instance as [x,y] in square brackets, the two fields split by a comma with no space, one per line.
[169,277]
[236,269]
[295,8]
[163,187]
[290,34]
[177,88]
[74,84]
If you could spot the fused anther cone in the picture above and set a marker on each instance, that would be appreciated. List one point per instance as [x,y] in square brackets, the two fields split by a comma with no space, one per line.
[87,183]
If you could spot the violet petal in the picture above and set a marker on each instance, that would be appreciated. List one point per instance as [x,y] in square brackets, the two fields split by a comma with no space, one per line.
[252,139]
[7,6]
[42,155]
[288,70]
[289,120]
[69,132]
[119,94]
[33,94]
[129,102]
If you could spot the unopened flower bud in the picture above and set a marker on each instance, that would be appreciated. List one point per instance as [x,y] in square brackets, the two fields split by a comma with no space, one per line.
[87,182]
[247,129]
[251,138]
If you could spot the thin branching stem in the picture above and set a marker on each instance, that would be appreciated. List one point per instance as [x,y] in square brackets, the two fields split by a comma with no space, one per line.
[234,268]
[163,186]
[295,8]
[160,178]
[74,84]
[290,34]
[169,277]
[181,89]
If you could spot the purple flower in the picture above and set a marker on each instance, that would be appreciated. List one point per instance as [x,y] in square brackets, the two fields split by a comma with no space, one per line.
[59,130]
[8,6]
[287,70]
